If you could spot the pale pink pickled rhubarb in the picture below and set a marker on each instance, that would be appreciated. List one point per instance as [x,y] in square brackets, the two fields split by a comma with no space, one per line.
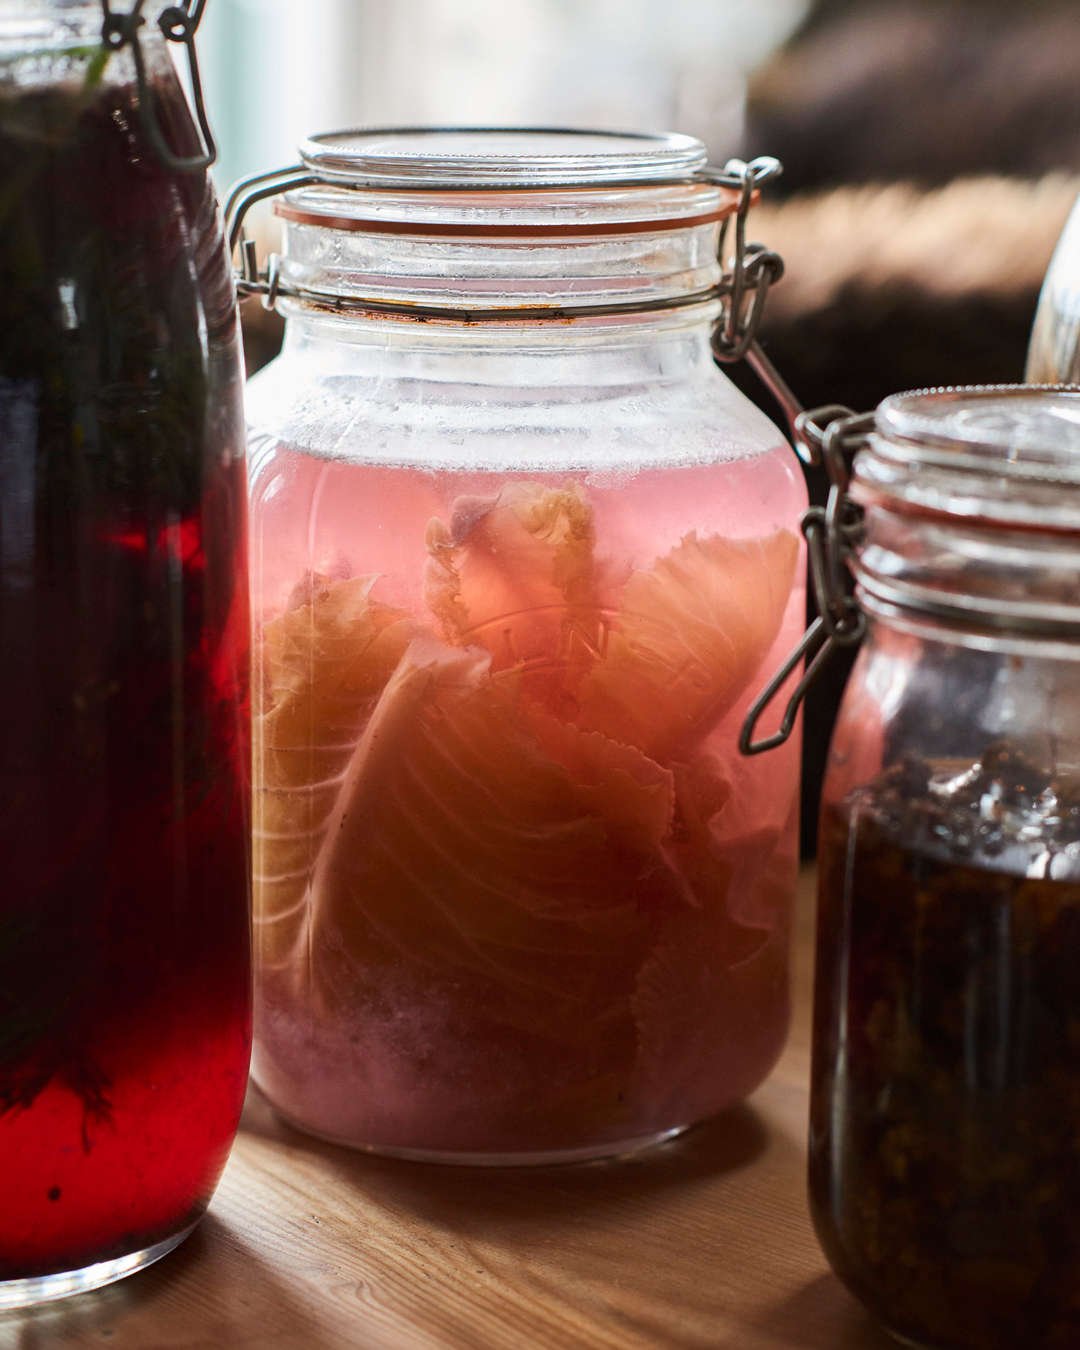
[324,663]
[689,635]
[457,843]
[514,574]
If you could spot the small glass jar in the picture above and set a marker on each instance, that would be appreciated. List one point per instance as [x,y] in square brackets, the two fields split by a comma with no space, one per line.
[125,960]
[520,551]
[945,1119]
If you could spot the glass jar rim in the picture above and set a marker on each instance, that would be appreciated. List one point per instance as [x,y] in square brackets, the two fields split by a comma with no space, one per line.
[979,486]
[478,158]
[1017,430]
[56,24]
[987,479]
[998,455]
[505,183]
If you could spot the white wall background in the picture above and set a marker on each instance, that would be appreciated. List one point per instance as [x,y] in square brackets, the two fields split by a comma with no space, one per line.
[277,70]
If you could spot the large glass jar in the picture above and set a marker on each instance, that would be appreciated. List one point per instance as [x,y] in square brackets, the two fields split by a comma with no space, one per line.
[124,644]
[516,570]
[945,1125]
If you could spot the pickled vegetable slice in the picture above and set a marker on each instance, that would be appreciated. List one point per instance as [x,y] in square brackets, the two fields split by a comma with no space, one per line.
[690,634]
[513,573]
[324,662]
[631,793]
[712,964]
[463,843]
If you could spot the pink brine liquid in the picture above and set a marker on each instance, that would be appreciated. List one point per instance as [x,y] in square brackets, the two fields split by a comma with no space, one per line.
[516,892]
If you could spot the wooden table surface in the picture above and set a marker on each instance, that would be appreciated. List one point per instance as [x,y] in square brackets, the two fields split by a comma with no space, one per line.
[704,1242]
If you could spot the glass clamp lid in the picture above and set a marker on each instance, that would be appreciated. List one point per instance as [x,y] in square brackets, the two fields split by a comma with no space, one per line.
[178,23]
[1004,455]
[541,186]
[531,184]
[507,158]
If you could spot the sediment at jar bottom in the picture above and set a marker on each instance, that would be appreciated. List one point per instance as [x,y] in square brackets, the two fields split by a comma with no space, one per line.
[497,845]
[944,1172]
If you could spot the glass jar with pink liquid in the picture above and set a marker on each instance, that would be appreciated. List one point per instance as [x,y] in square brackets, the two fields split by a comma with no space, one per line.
[521,557]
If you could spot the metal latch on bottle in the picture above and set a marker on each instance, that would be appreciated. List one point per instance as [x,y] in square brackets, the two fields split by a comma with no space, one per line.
[178,23]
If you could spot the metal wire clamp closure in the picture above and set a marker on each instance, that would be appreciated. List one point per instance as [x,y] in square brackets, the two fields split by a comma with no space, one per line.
[178,23]
[832,533]
[747,275]
[753,268]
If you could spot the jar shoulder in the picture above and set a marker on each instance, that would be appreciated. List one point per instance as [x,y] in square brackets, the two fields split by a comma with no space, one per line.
[529,415]
[921,706]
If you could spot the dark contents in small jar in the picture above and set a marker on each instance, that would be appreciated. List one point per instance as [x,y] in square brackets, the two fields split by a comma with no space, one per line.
[124,965]
[945,1118]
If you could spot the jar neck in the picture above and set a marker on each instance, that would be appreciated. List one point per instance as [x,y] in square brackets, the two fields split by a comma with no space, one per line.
[665,347]
[52,43]
[42,25]
[998,586]
[503,251]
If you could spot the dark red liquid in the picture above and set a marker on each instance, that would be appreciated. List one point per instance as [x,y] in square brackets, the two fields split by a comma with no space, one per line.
[124,759]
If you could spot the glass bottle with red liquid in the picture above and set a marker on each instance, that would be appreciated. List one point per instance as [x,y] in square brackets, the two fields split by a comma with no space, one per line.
[520,552]
[124,647]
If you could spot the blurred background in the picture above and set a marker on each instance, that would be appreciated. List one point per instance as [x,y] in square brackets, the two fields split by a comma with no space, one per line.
[277,71]
[931,152]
